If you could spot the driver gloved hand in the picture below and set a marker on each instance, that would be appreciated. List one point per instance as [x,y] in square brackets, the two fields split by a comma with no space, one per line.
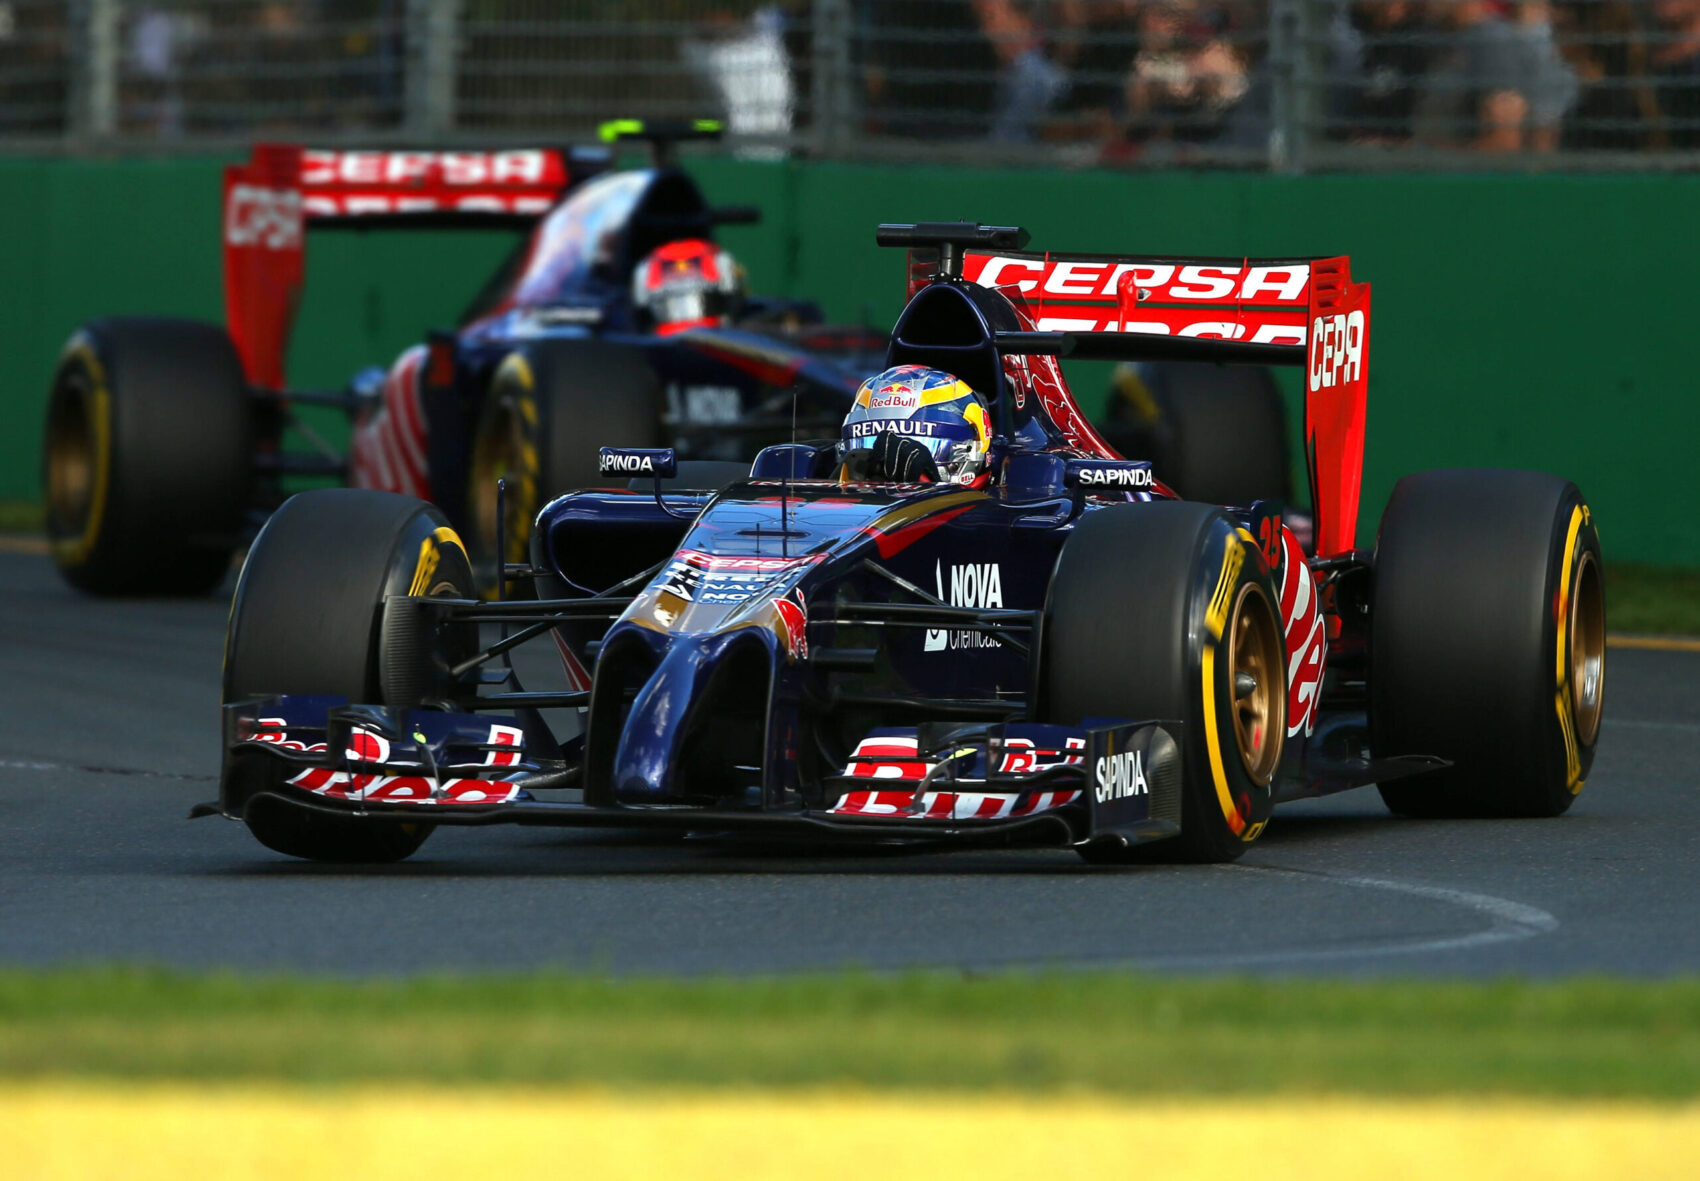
[902,461]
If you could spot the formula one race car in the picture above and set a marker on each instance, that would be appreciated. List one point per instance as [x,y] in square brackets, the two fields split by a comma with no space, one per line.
[615,317]
[858,643]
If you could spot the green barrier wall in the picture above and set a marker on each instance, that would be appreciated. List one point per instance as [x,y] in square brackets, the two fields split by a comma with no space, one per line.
[1528,321]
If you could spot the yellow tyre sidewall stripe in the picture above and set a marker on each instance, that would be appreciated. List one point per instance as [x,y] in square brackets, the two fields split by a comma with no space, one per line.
[1562,702]
[76,551]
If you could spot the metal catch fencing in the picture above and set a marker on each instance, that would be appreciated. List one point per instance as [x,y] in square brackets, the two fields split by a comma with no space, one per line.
[1283,84]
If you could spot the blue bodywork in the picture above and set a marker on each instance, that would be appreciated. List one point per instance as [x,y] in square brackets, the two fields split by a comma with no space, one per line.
[796,651]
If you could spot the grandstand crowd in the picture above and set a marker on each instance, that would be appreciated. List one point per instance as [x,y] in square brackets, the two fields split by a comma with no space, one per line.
[1114,80]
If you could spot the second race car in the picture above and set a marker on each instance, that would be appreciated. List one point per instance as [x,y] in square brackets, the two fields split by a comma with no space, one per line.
[616,316]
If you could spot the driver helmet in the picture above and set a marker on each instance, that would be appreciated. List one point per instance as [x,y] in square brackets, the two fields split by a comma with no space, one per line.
[687,284]
[935,409]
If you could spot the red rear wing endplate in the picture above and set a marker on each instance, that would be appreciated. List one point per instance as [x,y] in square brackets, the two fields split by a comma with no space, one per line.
[285,189]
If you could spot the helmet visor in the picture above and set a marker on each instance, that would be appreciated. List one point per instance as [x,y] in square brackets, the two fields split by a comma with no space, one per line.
[941,439]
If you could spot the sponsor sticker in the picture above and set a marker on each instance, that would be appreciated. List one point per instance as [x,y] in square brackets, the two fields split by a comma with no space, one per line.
[1108,475]
[637,461]
[896,426]
[972,584]
[1119,776]
[269,218]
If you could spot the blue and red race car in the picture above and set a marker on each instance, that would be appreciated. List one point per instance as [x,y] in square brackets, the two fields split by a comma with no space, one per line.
[615,316]
[1057,652]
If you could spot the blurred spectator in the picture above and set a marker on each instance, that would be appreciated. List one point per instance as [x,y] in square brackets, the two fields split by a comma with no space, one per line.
[1395,55]
[1603,43]
[1186,76]
[926,68]
[1029,83]
[33,68]
[746,64]
[1501,86]
[155,100]
[1676,61]
[1097,43]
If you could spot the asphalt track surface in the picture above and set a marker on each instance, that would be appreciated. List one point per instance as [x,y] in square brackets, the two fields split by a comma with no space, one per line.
[108,733]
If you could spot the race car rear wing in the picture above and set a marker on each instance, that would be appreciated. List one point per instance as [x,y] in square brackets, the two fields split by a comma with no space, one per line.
[1258,311]
[283,190]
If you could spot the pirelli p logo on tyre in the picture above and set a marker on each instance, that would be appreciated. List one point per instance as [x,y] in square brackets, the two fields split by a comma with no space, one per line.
[430,557]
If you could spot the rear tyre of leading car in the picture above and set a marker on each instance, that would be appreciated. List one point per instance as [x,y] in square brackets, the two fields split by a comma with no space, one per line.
[1158,612]
[550,409]
[1214,433]
[309,618]
[1487,642]
[148,457]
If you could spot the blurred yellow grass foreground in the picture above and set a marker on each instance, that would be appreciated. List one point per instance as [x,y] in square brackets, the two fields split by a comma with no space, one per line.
[86,1130]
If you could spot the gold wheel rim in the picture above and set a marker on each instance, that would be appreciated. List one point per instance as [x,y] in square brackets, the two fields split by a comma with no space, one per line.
[498,453]
[71,461]
[1587,624]
[1260,706]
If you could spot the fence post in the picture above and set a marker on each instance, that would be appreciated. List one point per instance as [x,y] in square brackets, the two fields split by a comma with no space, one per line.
[433,31]
[830,91]
[92,97]
[1286,128]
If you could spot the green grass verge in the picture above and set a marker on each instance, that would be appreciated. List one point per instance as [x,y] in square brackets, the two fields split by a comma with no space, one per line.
[21,516]
[1657,600]
[1114,1033]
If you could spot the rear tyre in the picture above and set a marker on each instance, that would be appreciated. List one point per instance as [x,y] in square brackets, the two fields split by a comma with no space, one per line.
[1214,433]
[1153,611]
[148,457]
[1487,642]
[549,411]
[308,618]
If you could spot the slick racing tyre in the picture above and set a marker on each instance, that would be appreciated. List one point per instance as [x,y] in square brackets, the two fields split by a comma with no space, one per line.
[1166,611]
[1214,433]
[550,409]
[309,618]
[147,460]
[1487,642]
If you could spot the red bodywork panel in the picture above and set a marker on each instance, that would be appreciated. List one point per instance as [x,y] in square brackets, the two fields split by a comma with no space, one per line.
[1336,397]
[285,189]
[1311,302]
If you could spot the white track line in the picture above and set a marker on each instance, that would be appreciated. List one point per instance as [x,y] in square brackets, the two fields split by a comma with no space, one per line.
[1507,921]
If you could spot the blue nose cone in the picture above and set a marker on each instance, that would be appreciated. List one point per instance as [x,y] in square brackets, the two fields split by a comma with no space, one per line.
[677,697]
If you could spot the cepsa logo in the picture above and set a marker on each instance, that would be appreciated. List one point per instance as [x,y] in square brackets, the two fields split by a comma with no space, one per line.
[365,183]
[1157,282]
[268,218]
[1336,349]
[528,167]
[1270,300]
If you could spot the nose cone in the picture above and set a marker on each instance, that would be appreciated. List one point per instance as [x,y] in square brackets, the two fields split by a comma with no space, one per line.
[678,698]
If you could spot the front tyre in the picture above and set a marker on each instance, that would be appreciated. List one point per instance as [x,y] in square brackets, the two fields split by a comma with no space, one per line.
[1166,612]
[1487,642]
[308,618]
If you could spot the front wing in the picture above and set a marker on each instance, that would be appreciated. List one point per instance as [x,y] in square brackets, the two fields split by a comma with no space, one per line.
[1110,781]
